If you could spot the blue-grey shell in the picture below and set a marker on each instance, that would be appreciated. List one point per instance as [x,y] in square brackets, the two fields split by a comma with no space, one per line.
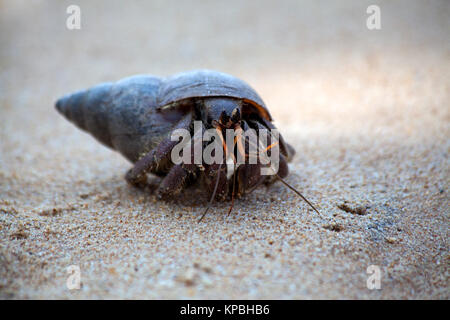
[127,116]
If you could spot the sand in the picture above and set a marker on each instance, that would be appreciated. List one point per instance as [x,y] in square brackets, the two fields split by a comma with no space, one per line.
[367,111]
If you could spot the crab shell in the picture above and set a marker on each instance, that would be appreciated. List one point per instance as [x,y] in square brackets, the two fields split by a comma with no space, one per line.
[134,114]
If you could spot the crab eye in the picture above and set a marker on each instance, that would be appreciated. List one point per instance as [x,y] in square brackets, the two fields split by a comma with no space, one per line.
[224,117]
[236,115]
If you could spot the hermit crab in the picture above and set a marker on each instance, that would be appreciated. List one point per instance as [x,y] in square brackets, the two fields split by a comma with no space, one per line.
[138,115]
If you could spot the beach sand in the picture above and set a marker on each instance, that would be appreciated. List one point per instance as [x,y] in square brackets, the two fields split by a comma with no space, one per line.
[366,110]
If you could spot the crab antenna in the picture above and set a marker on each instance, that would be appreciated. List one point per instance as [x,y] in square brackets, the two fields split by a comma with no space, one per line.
[213,194]
[241,149]
[293,189]
[232,195]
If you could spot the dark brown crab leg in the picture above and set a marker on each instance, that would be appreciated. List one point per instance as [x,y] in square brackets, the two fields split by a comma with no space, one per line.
[137,175]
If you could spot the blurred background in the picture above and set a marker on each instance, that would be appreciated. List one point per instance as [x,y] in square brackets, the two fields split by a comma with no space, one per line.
[367,110]
[315,58]
[292,52]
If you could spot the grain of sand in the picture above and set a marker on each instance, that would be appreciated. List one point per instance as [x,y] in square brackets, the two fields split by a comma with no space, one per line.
[367,111]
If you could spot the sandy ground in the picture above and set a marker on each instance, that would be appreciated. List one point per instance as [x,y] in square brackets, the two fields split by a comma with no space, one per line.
[367,111]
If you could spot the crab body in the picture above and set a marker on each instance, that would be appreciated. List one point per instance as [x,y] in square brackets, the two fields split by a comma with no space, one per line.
[136,116]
